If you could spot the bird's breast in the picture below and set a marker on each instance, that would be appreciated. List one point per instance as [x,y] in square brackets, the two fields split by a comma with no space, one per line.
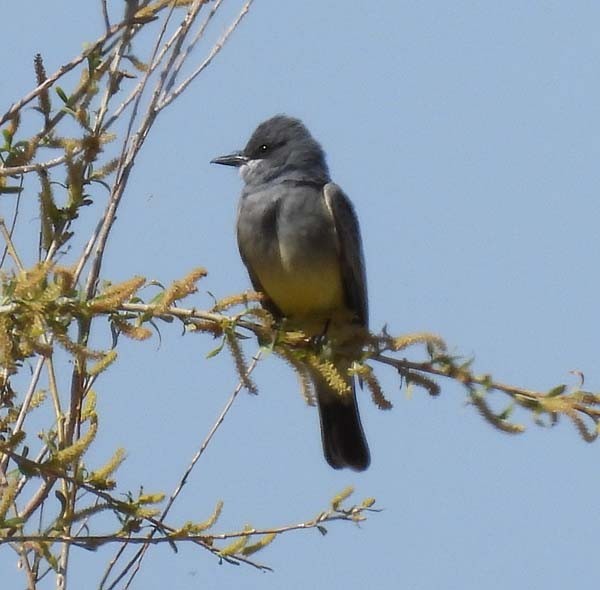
[288,241]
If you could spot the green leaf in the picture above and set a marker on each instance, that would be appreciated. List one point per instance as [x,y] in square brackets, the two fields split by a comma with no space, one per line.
[63,502]
[506,413]
[556,391]
[61,94]
[10,523]
[217,350]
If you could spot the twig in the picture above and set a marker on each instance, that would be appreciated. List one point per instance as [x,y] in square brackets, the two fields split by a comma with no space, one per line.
[114,65]
[215,50]
[155,61]
[10,246]
[105,15]
[12,224]
[25,405]
[36,167]
[31,581]
[430,368]
[183,55]
[93,541]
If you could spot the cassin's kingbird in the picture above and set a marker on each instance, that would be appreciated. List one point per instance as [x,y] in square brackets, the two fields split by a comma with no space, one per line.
[299,238]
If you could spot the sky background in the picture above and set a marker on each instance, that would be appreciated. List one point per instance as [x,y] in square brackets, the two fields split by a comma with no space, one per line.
[467,135]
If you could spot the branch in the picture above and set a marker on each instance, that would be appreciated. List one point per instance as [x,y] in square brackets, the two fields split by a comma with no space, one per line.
[336,512]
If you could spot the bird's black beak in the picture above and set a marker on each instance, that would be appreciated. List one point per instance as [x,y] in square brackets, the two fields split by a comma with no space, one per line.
[237,159]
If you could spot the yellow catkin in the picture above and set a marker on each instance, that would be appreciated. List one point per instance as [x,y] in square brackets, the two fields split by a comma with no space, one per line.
[339,498]
[85,513]
[151,498]
[7,359]
[7,497]
[134,332]
[210,326]
[328,371]
[97,368]
[13,124]
[367,502]
[586,434]
[239,361]
[89,407]
[78,349]
[152,9]
[115,295]
[424,382]
[260,544]
[105,170]
[38,398]
[73,453]
[493,419]
[180,289]
[31,282]
[241,299]
[64,277]
[237,546]
[211,520]
[100,477]
[306,386]
[368,376]
[408,340]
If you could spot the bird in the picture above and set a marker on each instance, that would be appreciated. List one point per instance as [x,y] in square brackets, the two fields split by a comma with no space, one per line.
[299,238]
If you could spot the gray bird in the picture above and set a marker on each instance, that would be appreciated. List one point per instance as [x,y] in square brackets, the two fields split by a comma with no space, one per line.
[299,238]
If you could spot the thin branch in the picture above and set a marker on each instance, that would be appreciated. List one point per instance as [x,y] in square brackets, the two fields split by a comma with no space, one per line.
[13,223]
[215,50]
[155,60]
[37,167]
[105,15]
[56,401]
[183,55]
[10,246]
[25,406]
[464,377]
[180,36]
[31,581]
[114,66]
[38,498]
[92,541]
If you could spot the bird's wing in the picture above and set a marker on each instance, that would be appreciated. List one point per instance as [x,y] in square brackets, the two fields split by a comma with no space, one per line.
[350,251]
[267,303]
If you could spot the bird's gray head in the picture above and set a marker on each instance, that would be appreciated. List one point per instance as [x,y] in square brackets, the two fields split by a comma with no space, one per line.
[280,148]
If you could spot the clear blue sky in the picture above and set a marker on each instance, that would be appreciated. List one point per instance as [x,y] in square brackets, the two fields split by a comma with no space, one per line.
[467,135]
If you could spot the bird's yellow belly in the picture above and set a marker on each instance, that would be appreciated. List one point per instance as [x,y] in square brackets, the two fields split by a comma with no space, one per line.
[316,291]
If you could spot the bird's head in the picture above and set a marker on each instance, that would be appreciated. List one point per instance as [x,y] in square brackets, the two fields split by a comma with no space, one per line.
[280,148]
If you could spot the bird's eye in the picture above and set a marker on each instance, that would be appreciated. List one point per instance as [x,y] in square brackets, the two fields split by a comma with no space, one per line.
[263,149]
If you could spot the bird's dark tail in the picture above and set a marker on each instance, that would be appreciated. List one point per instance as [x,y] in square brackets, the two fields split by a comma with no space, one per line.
[344,442]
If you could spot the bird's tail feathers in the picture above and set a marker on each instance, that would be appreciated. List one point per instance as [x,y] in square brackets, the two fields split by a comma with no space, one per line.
[344,442]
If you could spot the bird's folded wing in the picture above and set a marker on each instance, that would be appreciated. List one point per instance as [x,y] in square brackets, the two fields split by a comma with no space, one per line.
[350,251]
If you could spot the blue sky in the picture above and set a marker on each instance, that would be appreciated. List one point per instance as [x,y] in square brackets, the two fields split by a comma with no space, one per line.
[467,135]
